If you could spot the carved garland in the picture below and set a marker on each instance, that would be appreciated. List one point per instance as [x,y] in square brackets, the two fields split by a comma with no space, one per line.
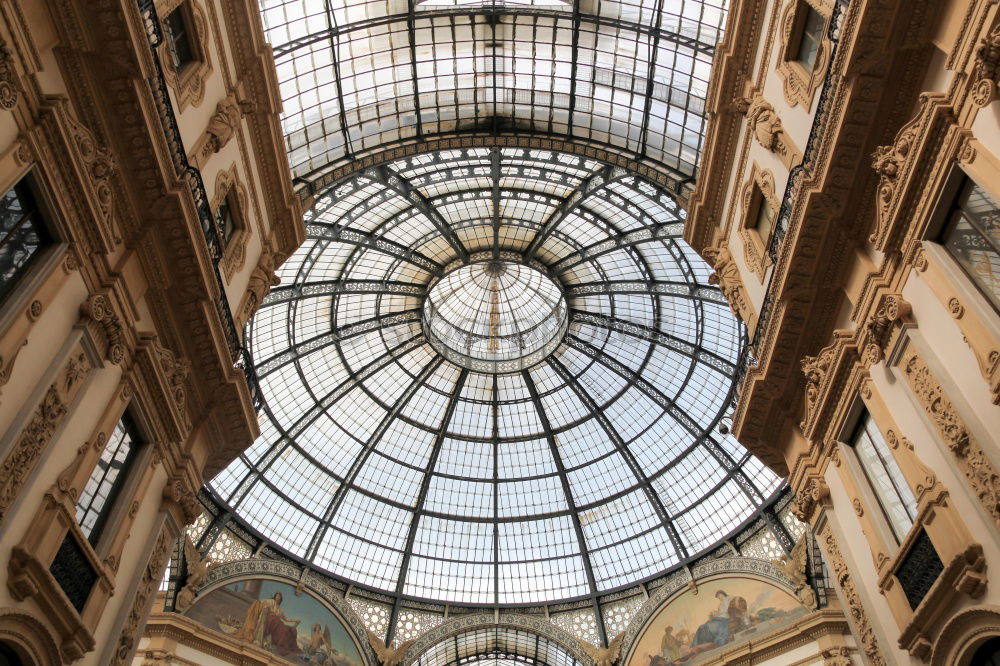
[972,460]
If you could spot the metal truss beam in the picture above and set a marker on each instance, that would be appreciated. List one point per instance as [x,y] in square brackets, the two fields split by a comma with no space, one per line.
[660,232]
[389,178]
[701,435]
[492,15]
[600,179]
[343,388]
[645,287]
[570,502]
[338,287]
[630,461]
[339,334]
[425,485]
[656,336]
[359,462]
[325,231]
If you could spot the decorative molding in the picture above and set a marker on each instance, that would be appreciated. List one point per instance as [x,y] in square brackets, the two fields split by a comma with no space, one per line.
[766,127]
[227,184]
[727,276]
[149,581]
[761,184]
[877,333]
[467,623]
[8,78]
[857,612]
[972,460]
[798,85]
[189,83]
[986,72]
[35,436]
[963,633]
[20,628]
[97,308]
[262,279]
[806,501]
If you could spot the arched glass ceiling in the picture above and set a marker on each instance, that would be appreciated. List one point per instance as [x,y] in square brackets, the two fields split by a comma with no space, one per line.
[361,75]
[497,646]
[387,465]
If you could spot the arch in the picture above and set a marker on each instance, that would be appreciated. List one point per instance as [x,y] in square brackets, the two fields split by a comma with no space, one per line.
[328,596]
[964,633]
[28,636]
[703,572]
[539,626]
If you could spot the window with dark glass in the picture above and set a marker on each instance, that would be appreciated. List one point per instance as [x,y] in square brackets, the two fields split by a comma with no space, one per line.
[225,220]
[765,218]
[108,478]
[972,237]
[22,234]
[179,38]
[810,36]
[885,478]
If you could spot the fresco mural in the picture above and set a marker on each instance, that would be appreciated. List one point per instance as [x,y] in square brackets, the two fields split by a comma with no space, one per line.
[725,612]
[268,614]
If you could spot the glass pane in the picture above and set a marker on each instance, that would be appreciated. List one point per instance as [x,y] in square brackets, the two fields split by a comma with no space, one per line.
[179,40]
[973,239]
[812,34]
[22,234]
[98,496]
[885,478]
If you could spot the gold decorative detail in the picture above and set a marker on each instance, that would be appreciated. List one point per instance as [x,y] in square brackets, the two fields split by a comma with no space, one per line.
[388,656]
[793,566]
[892,308]
[8,78]
[197,571]
[35,310]
[604,656]
[262,279]
[976,467]
[22,154]
[865,632]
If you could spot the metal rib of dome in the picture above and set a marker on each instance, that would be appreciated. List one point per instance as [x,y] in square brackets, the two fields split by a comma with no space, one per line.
[597,467]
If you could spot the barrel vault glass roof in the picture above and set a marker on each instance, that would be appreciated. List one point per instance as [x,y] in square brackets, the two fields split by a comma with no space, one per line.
[359,75]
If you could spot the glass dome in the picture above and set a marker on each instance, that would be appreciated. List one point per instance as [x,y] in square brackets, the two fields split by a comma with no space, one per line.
[506,466]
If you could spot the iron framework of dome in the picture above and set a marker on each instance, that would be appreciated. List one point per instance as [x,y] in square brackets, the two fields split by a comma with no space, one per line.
[599,465]
[555,437]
